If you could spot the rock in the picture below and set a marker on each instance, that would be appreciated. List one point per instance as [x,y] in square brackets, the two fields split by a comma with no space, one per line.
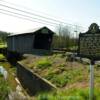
[17,96]
[18,88]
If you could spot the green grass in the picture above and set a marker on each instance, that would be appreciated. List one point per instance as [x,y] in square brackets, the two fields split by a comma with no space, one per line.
[4,88]
[58,71]
[73,78]
[1,56]
[59,80]
[11,71]
[61,77]
[70,94]
[2,45]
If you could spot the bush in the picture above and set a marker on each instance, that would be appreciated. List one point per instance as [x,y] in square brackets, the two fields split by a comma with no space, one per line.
[61,80]
[43,63]
[50,76]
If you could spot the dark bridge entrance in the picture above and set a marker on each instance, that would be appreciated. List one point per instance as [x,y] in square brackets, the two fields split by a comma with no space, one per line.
[42,41]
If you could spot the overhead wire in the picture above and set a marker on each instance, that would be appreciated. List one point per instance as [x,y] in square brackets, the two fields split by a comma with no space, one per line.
[39,15]
[22,17]
[25,12]
[42,19]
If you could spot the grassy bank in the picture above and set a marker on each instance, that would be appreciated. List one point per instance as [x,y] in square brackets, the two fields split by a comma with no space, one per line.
[4,88]
[58,69]
[71,78]
[11,72]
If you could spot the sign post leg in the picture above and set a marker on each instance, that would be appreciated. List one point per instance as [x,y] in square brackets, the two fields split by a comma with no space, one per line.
[91,94]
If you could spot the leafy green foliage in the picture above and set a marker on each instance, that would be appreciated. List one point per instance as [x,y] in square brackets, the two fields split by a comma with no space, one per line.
[59,80]
[43,63]
[61,77]
[72,77]
[4,88]
[64,39]
[3,36]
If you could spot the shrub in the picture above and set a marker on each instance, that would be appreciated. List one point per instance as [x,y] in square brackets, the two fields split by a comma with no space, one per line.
[60,80]
[43,63]
[50,76]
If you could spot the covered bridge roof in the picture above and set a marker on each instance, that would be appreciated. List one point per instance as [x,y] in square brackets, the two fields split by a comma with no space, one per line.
[31,31]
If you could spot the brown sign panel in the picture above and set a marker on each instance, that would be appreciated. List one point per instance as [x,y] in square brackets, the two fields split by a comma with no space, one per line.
[89,43]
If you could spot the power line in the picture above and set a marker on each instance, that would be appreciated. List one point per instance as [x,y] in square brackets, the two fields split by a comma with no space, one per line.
[39,17]
[37,14]
[25,12]
[22,17]
[10,14]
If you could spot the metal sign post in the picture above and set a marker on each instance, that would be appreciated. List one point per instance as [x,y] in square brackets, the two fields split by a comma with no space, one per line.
[91,91]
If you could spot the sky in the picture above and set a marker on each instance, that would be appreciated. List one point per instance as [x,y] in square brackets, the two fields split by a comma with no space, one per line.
[76,12]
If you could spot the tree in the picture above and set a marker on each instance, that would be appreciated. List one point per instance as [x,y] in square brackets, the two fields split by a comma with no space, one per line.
[3,36]
[62,38]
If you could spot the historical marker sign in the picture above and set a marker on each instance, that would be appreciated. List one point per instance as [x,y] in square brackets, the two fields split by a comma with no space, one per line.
[89,47]
[89,43]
